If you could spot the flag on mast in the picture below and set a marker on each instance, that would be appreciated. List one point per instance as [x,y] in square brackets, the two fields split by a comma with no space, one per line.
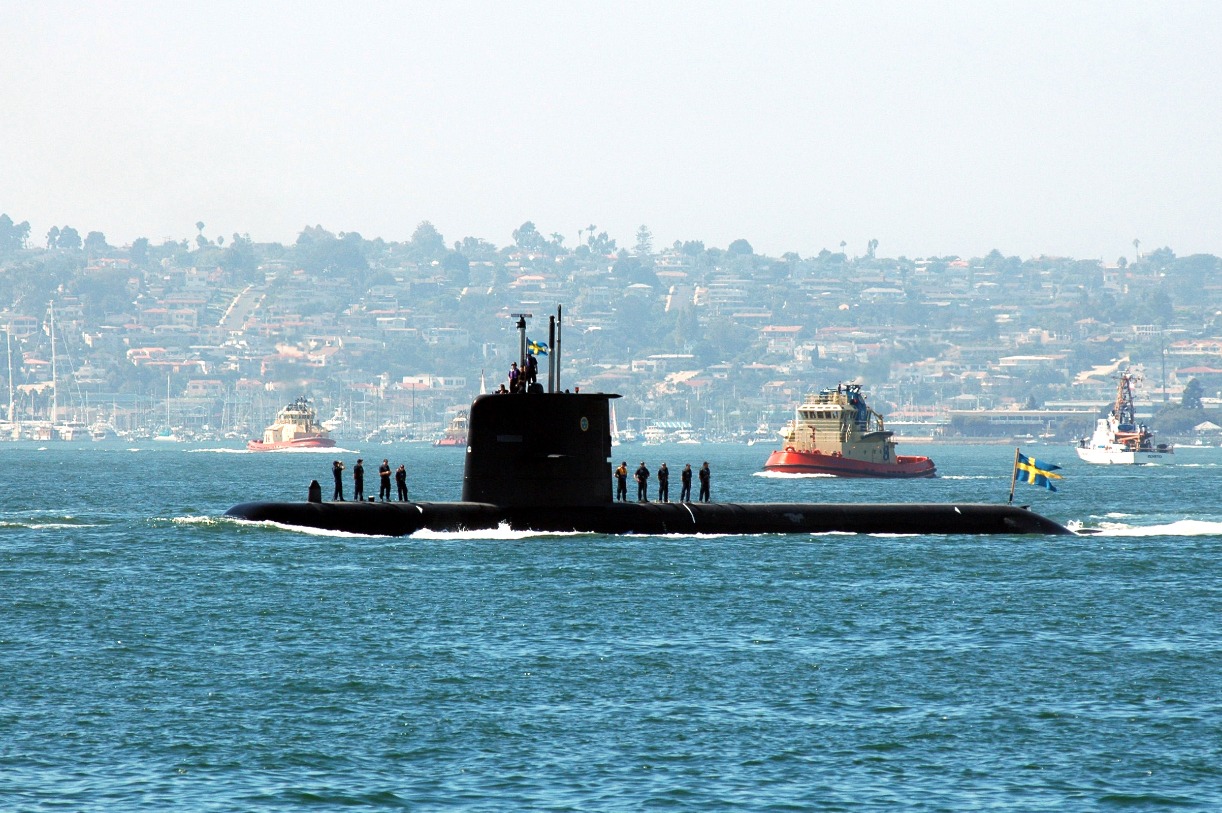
[1035,472]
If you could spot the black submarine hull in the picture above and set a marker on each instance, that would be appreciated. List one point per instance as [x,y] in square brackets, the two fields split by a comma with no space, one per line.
[402,519]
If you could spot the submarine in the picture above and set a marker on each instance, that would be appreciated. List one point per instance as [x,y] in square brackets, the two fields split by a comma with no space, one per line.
[540,460]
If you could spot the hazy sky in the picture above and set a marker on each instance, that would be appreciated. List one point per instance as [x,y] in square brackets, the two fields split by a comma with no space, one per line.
[935,128]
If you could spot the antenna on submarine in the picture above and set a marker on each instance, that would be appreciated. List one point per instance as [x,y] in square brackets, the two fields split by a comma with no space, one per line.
[521,317]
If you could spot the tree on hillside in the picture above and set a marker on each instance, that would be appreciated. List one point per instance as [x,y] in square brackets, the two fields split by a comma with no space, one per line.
[527,237]
[139,253]
[240,260]
[1192,395]
[320,252]
[644,241]
[427,244]
[313,234]
[631,271]
[476,249]
[457,268]
[95,241]
[601,245]
[740,247]
[12,235]
[1161,257]
[69,238]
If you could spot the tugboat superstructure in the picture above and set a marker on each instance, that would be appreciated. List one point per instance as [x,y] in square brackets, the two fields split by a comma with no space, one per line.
[294,428]
[835,432]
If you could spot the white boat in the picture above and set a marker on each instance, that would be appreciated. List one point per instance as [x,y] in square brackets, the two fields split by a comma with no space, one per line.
[1118,439]
[71,430]
[103,430]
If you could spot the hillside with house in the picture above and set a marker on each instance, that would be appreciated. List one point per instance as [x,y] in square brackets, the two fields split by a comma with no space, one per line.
[209,337]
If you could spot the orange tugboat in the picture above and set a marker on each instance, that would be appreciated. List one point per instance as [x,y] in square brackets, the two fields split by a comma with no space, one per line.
[456,432]
[294,428]
[835,432]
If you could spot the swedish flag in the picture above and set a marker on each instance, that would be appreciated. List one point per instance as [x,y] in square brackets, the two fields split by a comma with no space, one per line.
[1030,470]
[538,348]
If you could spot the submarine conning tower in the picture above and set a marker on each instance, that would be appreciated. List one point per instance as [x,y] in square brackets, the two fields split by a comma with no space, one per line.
[539,449]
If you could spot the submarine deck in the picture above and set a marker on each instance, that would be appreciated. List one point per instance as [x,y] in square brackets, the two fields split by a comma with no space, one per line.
[651,518]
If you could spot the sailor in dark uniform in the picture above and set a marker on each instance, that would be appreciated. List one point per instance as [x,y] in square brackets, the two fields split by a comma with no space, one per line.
[705,476]
[358,481]
[337,471]
[642,483]
[401,482]
[384,487]
[664,484]
[532,369]
[685,479]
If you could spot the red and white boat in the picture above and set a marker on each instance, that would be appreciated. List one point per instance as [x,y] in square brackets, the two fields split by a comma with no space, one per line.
[294,428]
[835,432]
[456,433]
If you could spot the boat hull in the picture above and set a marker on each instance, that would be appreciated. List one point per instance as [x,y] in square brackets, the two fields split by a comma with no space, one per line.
[288,445]
[402,519]
[789,461]
[1121,457]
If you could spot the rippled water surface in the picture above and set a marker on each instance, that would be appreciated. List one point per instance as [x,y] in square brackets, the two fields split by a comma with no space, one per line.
[156,656]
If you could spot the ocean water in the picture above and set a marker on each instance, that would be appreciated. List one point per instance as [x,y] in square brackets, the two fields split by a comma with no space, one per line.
[156,656]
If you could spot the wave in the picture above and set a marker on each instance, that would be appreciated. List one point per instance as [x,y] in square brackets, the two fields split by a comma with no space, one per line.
[1183,527]
[967,477]
[38,526]
[198,520]
[301,529]
[501,533]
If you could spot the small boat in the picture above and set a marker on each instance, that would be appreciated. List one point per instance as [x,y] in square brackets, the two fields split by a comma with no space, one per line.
[1118,439]
[835,432]
[103,430]
[456,433]
[294,428]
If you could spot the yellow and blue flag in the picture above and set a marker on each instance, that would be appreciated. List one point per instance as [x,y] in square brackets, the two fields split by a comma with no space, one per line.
[538,348]
[1030,470]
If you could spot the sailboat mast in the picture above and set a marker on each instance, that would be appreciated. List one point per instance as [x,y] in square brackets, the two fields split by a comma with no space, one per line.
[54,374]
[8,340]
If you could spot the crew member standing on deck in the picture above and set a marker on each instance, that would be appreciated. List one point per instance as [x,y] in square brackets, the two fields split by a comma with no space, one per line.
[337,471]
[384,473]
[621,482]
[401,482]
[532,370]
[705,476]
[358,480]
[642,483]
[664,484]
[685,480]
